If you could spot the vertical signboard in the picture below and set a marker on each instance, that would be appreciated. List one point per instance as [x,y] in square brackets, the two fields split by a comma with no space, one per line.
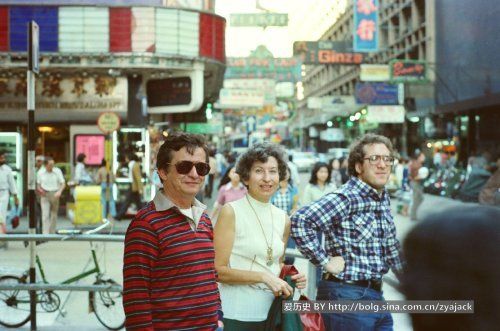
[365,25]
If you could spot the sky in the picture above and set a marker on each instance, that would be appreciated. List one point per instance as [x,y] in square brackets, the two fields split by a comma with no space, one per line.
[240,41]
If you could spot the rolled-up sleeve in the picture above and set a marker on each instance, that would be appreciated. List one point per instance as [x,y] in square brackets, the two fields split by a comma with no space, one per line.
[319,216]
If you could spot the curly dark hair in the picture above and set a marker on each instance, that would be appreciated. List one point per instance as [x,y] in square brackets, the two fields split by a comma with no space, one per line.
[357,150]
[261,153]
[314,173]
[174,142]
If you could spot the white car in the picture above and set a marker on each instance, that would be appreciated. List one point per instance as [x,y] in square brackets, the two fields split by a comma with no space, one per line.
[304,161]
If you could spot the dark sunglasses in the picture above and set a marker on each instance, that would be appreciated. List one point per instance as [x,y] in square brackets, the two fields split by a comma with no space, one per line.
[184,167]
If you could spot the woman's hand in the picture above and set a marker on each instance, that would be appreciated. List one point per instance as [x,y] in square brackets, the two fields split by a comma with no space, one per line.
[300,281]
[277,285]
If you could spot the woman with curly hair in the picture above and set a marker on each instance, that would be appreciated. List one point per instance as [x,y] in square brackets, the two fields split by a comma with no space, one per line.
[249,239]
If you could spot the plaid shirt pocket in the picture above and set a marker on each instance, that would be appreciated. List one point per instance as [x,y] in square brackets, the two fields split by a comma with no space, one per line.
[364,227]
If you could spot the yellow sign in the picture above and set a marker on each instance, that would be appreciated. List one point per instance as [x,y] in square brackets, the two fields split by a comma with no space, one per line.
[108,122]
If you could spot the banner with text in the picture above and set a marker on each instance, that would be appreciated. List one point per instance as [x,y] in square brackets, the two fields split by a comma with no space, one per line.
[379,93]
[385,114]
[365,26]
[374,73]
[326,52]
[56,94]
[279,69]
[408,71]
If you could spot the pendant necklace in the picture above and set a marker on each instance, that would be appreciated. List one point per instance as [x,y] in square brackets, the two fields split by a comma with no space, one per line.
[269,258]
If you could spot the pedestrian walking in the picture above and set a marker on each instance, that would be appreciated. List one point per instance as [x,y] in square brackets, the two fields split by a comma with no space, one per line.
[416,163]
[39,166]
[319,184]
[134,194]
[50,185]
[249,242]
[343,170]
[82,177]
[286,198]
[335,175]
[230,189]
[209,186]
[294,171]
[7,188]
[169,279]
[360,235]
[490,193]
[106,179]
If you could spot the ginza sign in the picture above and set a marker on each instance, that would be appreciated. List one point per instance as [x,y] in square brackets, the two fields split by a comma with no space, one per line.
[326,52]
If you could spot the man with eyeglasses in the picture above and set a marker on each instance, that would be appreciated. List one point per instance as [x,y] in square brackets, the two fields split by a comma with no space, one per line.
[169,279]
[360,236]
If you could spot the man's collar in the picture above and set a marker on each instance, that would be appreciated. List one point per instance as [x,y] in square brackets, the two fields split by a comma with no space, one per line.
[162,202]
[366,189]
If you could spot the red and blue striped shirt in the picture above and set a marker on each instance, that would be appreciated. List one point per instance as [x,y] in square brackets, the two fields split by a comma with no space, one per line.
[169,279]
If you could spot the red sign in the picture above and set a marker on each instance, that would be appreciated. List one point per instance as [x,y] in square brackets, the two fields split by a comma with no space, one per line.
[408,70]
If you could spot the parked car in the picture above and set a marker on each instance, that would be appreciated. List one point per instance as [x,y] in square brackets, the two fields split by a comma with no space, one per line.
[304,160]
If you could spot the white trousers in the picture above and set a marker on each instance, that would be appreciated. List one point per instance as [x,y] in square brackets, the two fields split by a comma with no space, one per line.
[4,204]
[50,207]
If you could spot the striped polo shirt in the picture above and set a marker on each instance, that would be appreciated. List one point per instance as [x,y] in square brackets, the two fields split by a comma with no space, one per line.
[169,279]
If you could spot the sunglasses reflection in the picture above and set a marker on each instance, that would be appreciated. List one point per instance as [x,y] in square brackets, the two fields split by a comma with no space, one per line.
[184,167]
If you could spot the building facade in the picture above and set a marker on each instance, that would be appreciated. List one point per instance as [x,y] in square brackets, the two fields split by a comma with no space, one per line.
[142,60]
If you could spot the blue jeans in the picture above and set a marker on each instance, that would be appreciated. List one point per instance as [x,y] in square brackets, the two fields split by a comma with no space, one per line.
[112,205]
[328,290]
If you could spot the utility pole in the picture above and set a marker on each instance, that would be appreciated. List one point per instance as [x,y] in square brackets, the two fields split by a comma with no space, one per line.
[33,68]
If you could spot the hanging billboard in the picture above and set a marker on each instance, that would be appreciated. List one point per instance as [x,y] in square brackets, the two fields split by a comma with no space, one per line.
[326,52]
[365,26]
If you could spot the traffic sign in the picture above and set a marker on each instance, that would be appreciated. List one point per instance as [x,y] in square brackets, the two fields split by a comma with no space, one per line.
[108,122]
[33,47]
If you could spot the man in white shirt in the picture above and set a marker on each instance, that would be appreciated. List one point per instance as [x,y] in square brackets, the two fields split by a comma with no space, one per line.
[38,208]
[50,184]
[7,187]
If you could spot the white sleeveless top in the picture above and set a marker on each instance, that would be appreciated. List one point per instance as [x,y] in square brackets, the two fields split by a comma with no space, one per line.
[251,303]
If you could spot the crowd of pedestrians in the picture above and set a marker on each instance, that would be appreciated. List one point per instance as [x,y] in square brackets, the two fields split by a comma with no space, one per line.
[187,269]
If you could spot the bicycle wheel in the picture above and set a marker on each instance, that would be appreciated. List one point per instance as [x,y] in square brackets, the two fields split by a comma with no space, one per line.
[108,306]
[14,304]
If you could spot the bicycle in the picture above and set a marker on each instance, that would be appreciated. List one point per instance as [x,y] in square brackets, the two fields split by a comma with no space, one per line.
[106,305]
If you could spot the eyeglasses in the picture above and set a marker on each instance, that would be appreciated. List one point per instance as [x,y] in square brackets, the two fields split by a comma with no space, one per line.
[184,167]
[375,159]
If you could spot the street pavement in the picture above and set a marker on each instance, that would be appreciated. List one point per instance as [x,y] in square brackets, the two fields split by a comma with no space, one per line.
[62,260]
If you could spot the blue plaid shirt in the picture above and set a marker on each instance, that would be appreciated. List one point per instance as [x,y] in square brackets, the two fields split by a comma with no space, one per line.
[358,226]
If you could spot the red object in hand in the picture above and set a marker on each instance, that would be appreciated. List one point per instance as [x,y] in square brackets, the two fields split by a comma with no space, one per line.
[15,222]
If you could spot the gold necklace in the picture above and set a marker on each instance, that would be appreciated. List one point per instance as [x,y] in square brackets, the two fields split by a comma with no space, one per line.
[269,259]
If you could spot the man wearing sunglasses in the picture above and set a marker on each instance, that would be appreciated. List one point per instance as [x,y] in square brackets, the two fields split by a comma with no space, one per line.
[168,271]
[360,236]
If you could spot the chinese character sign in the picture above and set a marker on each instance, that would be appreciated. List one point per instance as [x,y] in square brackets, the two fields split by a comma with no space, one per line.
[365,25]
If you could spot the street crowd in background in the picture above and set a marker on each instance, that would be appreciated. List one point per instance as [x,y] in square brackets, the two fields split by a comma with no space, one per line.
[190,265]
[346,229]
